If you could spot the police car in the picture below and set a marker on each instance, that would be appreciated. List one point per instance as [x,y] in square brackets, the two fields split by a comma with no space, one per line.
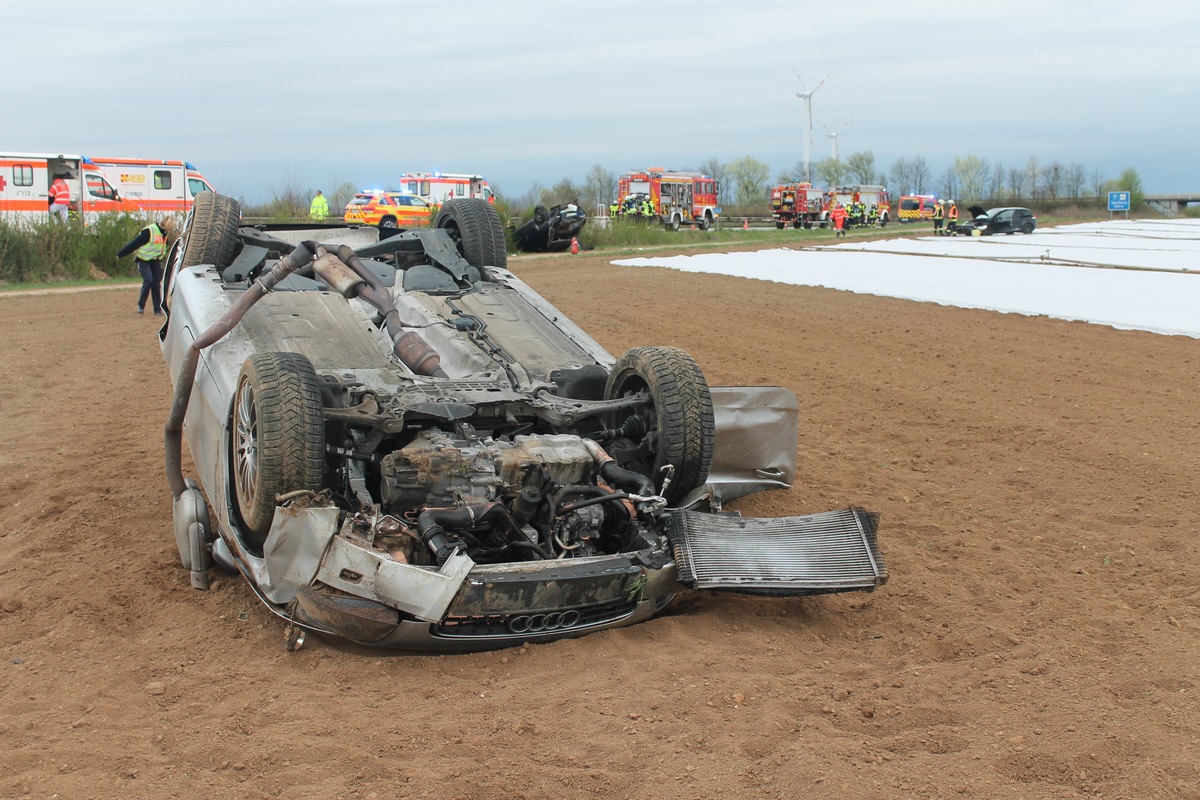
[387,210]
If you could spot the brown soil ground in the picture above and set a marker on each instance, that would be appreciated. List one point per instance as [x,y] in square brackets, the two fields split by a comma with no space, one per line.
[1038,639]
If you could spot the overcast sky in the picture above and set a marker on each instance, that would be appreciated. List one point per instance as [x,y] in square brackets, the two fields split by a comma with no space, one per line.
[260,95]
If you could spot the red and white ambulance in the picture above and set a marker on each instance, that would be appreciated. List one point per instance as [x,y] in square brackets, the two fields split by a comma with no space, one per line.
[436,188]
[95,187]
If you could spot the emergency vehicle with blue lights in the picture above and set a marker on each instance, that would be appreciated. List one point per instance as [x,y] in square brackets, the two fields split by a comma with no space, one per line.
[387,209]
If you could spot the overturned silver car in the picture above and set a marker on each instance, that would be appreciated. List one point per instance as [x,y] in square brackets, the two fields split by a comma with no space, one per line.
[404,445]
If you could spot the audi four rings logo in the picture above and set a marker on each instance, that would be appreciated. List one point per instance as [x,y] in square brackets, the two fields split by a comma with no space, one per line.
[536,623]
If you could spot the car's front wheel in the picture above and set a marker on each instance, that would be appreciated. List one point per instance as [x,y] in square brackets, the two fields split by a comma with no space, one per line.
[277,436]
[676,427]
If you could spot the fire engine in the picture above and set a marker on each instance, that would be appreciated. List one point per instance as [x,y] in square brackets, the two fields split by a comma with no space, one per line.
[25,180]
[867,204]
[914,207]
[437,187]
[675,198]
[798,205]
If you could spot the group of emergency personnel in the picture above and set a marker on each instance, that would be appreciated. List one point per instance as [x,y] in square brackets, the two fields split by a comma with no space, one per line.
[945,212]
[635,206]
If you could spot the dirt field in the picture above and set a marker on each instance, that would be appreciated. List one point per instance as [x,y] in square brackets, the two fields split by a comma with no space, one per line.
[1039,637]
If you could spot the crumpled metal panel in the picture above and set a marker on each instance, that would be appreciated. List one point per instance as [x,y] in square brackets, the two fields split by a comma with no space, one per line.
[293,549]
[757,429]
[422,592]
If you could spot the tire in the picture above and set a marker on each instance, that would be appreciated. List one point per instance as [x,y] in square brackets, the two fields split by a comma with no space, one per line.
[796,223]
[388,222]
[210,235]
[707,222]
[1027,228]
[277,436]
[676,428]
[540,215]
[673,223]
[883,221]
[475,227]
[779,225]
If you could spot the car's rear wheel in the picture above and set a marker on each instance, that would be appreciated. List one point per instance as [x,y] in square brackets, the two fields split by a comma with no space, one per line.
[676,427]
[387,222]
[277,436]
[475,227]
[1027,228]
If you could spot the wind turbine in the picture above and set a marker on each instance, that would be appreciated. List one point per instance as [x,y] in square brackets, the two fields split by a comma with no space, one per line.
[806,96]
[834,134]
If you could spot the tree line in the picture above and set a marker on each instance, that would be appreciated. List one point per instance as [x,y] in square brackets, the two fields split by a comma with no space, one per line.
[745,184]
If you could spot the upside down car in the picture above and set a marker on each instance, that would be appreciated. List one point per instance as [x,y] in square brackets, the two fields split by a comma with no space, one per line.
[404,445]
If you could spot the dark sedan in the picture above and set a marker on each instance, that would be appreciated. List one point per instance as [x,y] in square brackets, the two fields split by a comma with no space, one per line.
[997,220]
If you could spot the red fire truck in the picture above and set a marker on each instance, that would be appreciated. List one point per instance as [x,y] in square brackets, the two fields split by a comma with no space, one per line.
[673,198]
[867,204]
[796,204]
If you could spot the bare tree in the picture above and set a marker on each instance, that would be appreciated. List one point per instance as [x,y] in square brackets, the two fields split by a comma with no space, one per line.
[922,177]
[995,182]
[1074,177]
[970,174]
[716,170]
[1033,175]
[600,188]
[949,183]
[1097,183]
[1016,183]
[1052,179]
[340,197]
[751,176]
[793,175]
[901,174]
[860,166]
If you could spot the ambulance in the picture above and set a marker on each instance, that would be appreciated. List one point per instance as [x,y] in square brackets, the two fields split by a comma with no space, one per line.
[156,186]
[25,180]
[437,187]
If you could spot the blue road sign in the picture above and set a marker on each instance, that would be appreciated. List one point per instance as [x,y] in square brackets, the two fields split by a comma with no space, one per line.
[1118,201]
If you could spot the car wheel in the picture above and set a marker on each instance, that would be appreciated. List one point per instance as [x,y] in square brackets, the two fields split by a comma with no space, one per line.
[210,232]
[540,215]
[883,221]
[779,225]
[475,227]
[676,427]
[1027,228]
[277,436]
[387,222]
[673,223]
[707,222]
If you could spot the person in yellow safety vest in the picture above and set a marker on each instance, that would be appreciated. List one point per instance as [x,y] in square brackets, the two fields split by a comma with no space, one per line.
[319,208]
[59,198]
[614,208]
[952,223]
[939,215]
[647,208]
[149,247]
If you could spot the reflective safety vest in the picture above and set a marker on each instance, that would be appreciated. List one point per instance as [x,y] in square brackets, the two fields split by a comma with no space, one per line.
[938,211]
[953,213]
[59,192]
[154,249]
[319,208]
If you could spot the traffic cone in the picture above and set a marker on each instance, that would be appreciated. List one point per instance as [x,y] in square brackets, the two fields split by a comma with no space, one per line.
[745,223]
[574,246]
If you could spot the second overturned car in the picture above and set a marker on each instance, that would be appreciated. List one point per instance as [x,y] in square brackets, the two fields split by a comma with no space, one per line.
[550,229]
[404,445]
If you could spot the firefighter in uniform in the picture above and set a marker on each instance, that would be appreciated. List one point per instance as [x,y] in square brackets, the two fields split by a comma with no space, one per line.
[939,215]
[839,219]
[952,219]
[149,247]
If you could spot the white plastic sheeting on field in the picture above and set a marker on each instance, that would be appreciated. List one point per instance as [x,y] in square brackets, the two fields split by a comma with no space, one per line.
[1133,274]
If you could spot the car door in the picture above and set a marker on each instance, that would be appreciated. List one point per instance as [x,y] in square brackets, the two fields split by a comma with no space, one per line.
[1002,222]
